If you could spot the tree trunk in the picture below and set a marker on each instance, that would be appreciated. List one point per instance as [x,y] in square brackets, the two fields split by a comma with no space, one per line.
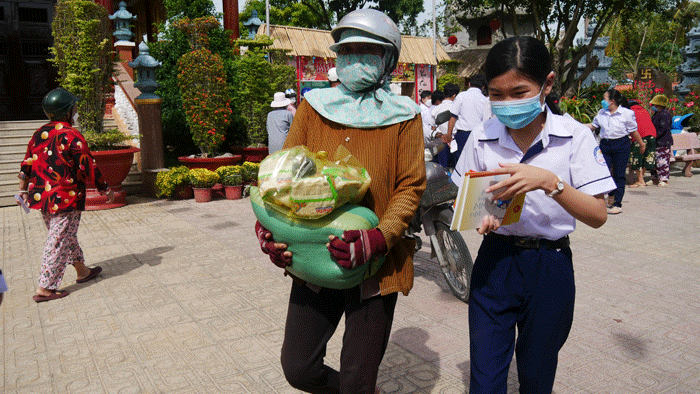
[636,62]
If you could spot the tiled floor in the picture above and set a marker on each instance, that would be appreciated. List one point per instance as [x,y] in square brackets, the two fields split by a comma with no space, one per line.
[188,304]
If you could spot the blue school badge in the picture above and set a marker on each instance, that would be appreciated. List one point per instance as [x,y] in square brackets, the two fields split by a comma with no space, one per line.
[598,154]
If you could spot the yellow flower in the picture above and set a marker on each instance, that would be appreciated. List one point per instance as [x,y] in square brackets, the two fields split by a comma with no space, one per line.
[37,196]
[44,135]
[47,187]
[55,207]
[71,193]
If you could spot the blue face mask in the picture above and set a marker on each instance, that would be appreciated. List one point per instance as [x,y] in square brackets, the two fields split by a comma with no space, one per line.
[605,104]
[516,114]
[359,71]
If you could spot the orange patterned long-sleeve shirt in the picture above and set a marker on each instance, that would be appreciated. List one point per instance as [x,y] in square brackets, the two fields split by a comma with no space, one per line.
[58,164]
[394,158]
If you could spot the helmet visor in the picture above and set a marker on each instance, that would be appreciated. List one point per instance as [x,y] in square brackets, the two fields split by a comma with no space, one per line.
[355,35]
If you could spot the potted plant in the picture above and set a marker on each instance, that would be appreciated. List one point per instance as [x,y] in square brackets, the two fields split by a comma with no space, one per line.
[174,183]
[205,95]
[255,83]
[250,173]
[233,186]
[84,59]
[202,181]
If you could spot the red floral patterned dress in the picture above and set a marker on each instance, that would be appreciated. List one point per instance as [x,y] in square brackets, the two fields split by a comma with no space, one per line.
[58,164]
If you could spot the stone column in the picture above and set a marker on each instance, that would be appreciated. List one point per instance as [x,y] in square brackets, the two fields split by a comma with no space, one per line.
[152,157]
[125,54]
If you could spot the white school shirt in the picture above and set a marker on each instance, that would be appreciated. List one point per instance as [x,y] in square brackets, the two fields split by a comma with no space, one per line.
[471,108]
[619,124]
[570,151]
[428,122]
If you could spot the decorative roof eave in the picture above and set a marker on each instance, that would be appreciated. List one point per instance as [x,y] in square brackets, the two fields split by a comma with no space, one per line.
[299,41]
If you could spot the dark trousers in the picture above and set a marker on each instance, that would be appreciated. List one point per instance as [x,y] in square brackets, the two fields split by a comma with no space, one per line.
[447,159]
[531,289]
[312,318]
[617,154]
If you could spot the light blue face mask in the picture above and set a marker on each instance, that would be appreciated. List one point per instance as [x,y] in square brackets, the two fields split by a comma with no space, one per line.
[605,104]
[359,71]
[516,114]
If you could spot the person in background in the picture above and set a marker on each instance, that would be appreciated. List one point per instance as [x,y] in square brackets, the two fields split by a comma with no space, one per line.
[469,109]
[333,77]
[662,120]
[425,102]
[646,160]
[523,277]
[441,114]
[292,96]
[3,286]
[429,133]
[279,120]
[52,179]
[383,132]
[425,106]
[616,124]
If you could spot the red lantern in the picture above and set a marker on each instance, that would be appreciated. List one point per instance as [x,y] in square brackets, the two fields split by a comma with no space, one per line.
[451,40]
[495,24]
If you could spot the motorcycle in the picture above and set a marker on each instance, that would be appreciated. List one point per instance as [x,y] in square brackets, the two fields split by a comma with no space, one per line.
[434,216]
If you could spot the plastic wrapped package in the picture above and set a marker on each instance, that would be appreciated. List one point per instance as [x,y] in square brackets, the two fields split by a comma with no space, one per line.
[310,185]
[307,238]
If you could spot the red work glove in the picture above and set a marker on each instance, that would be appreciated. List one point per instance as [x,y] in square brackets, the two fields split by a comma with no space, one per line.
[267,245]
[356,247]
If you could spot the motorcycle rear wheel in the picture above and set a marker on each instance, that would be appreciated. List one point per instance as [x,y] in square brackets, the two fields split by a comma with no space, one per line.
[455,260]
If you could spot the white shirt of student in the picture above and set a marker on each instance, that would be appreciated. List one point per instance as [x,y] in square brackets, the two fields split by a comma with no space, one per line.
[471,108]
[570,151]
[615,125]
[428,123]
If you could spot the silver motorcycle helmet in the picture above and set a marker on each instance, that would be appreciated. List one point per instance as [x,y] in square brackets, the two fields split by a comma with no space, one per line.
[379,29]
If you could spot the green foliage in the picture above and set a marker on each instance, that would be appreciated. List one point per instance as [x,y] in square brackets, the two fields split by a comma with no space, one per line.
[188,8]
[201,177]
[174,43]
[286,13]
[254,83]
[691,104]
[106,140]
[167,181]
[579,108]
[84,57]
[450,78]
[205,98]
[250,171]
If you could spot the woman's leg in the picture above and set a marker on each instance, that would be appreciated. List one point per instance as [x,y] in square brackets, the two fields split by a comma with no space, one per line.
[62,231]
[545,322]
[312,318]
[620,154]
[367,329]
[494,300]
[663,163]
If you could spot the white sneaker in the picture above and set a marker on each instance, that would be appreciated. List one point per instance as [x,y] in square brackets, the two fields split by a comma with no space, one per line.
[614,210]
[650,183]
[663,184]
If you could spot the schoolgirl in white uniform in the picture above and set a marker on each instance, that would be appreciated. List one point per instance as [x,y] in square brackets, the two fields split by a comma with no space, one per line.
[523,275]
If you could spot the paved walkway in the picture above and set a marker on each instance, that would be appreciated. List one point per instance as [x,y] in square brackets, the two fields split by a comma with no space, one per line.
[188,304]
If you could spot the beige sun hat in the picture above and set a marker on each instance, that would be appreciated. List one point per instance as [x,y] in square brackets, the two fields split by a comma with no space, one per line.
[280,100]
[660,100]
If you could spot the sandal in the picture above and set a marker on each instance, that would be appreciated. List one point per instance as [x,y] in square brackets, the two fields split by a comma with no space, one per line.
[93,273]
[54,296]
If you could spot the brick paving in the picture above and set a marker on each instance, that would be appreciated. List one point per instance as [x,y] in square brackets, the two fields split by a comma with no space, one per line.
[188,304]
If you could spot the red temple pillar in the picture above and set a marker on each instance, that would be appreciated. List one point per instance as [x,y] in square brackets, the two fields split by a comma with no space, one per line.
[231,17]
[108,4]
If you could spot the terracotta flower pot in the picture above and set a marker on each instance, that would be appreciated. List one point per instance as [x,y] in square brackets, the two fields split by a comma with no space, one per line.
[210,163]
[253,155]
[233,192]
[114,166]
[182,192]
[202,194]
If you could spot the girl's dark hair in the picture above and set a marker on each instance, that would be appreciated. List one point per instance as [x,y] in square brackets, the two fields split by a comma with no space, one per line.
[617,97]
[528,55]
[438,95]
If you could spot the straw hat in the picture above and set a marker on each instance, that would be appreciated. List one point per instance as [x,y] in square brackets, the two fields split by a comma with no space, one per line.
[659,100]
[280,100]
